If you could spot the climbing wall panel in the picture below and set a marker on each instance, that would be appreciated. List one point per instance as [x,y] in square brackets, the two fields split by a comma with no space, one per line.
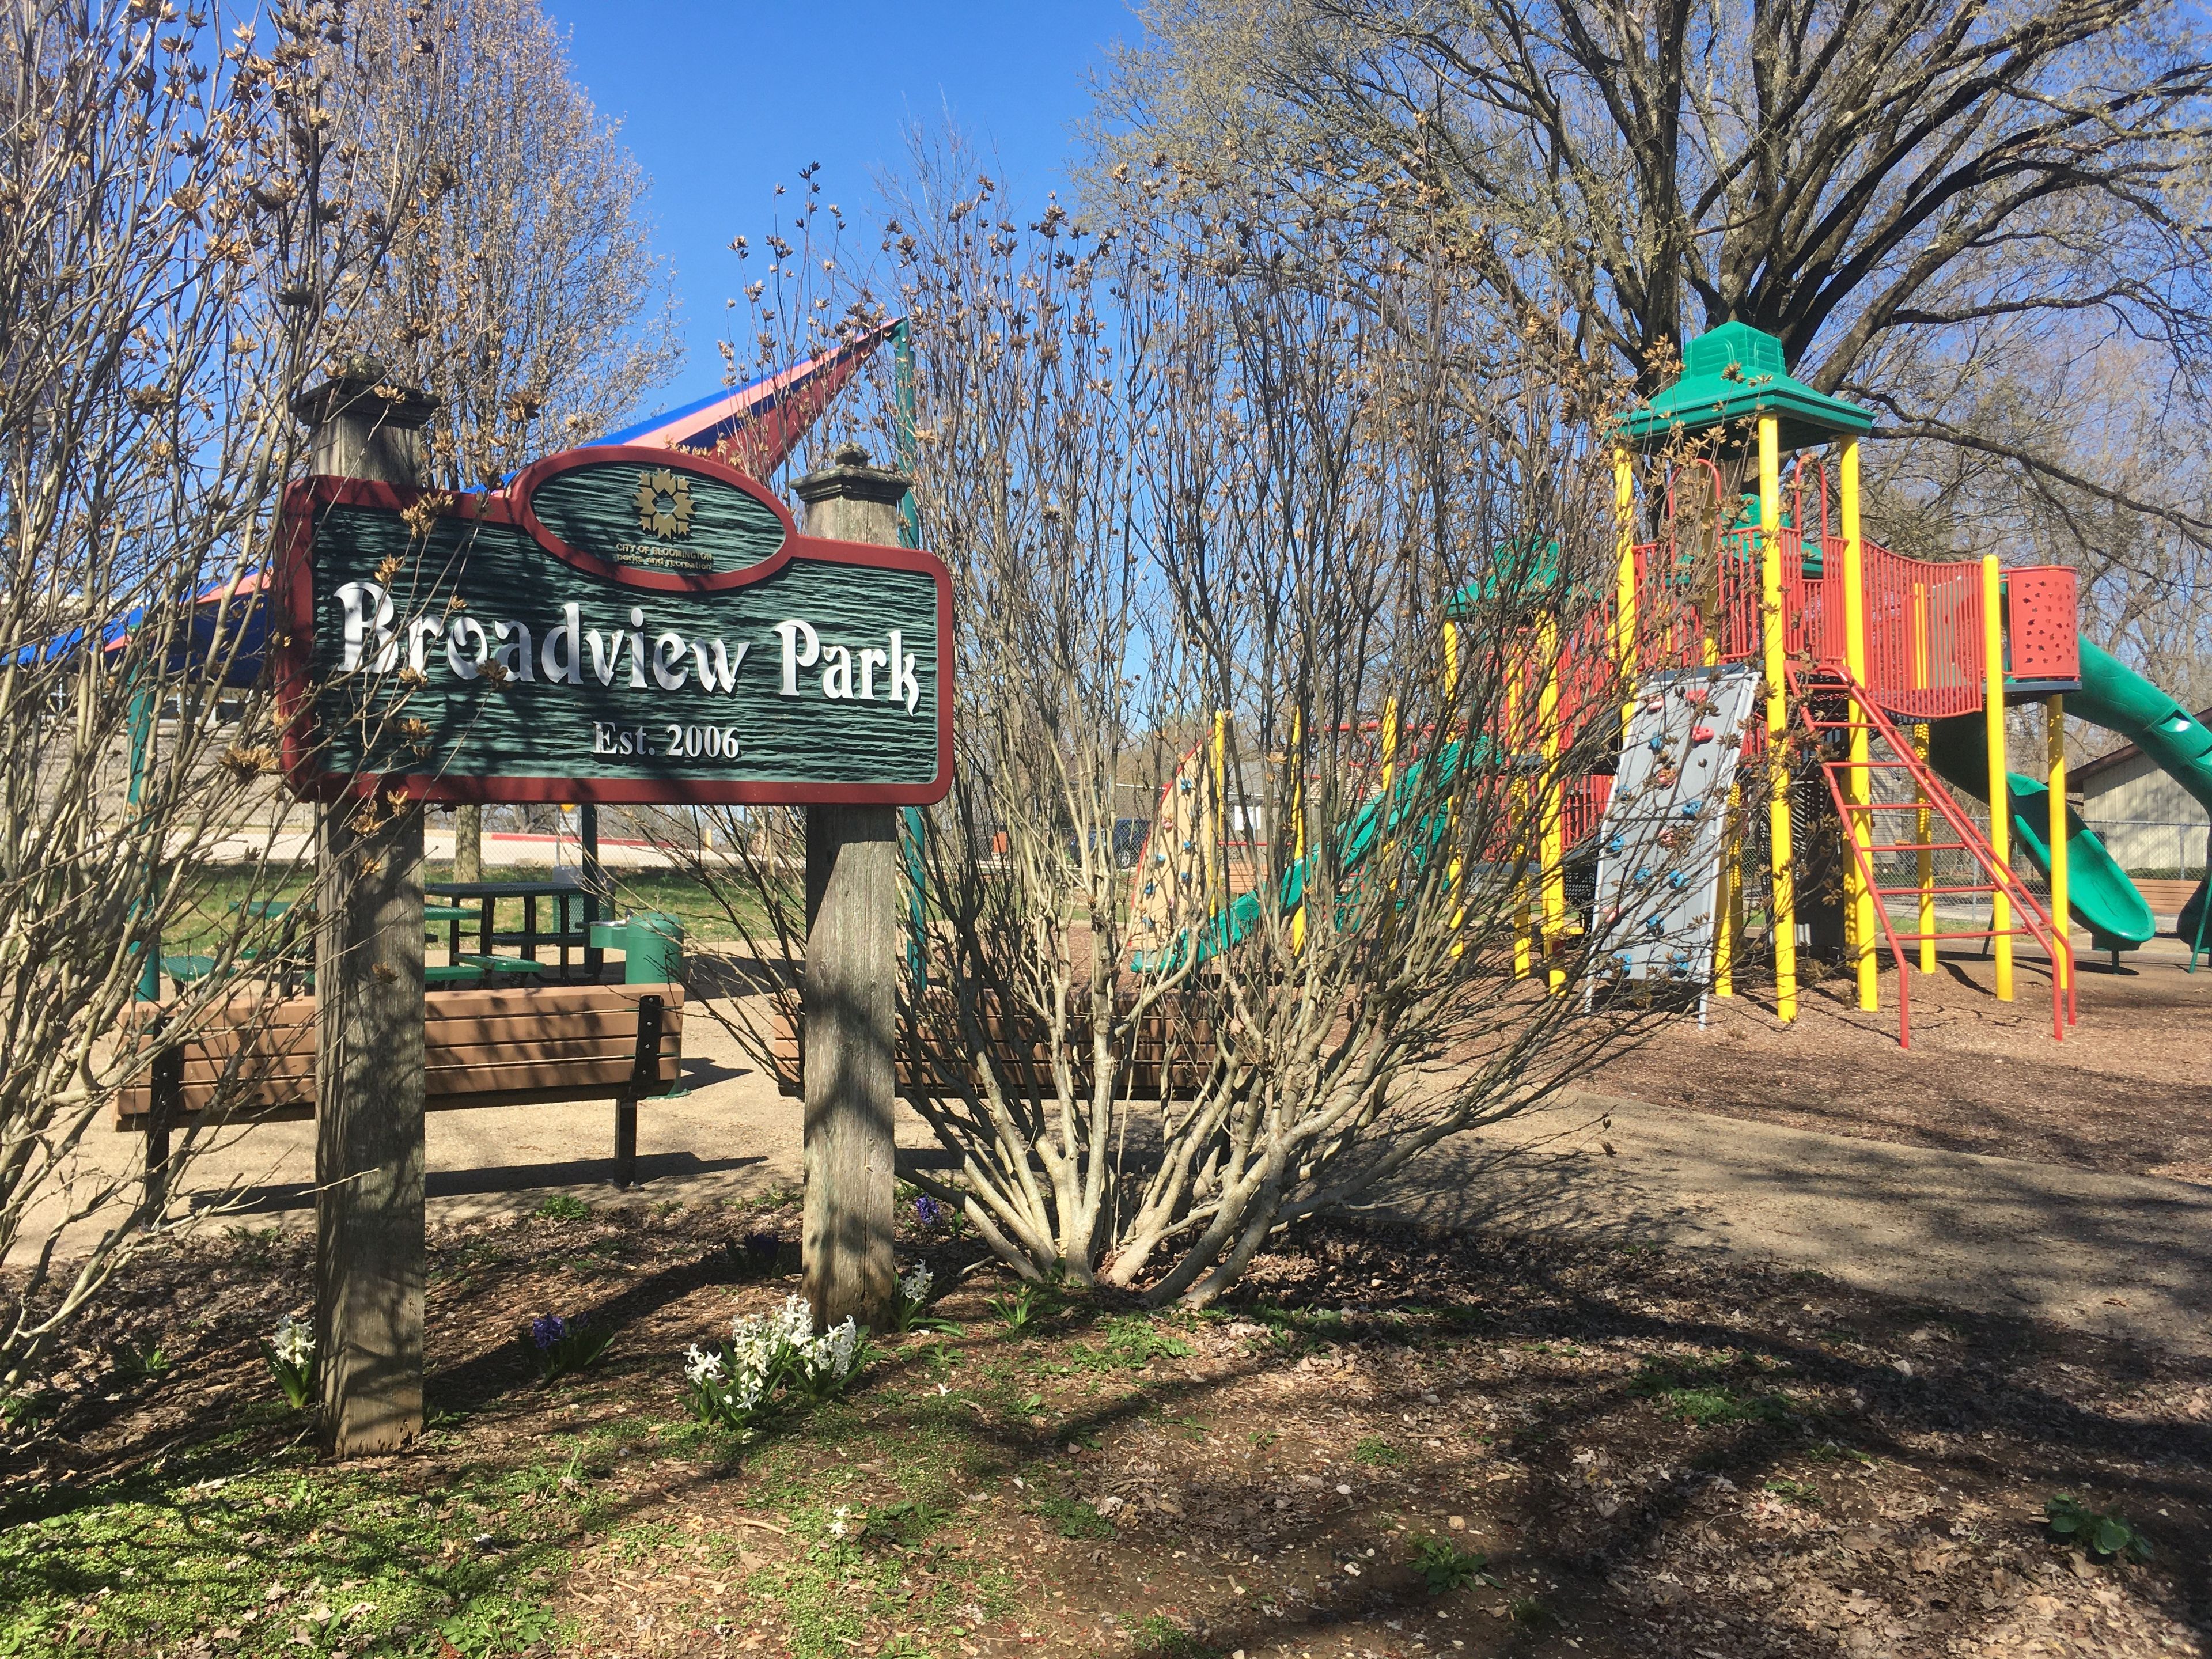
[1659,860]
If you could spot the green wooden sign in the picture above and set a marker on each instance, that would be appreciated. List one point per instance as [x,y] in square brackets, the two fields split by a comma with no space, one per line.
[618,625]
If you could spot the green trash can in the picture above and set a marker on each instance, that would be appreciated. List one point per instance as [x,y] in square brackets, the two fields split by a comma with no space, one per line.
[653,952]
[652,945]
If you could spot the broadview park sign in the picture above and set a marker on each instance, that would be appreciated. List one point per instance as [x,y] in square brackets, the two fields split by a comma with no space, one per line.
[618,625]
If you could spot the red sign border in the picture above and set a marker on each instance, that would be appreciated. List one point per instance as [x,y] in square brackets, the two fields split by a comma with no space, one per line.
[292,614]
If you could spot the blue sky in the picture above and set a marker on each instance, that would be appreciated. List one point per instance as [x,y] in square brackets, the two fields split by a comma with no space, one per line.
[720,103]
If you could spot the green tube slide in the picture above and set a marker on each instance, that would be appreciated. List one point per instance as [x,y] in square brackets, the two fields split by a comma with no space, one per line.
[2112,695]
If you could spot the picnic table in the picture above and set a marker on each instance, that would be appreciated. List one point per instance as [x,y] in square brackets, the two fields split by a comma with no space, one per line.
[569,932]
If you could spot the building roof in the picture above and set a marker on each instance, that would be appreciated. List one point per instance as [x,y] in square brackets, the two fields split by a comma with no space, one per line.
[2112,759]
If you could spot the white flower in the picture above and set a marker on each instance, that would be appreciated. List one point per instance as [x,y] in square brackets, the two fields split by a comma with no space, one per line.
[700,1364]
[830,1356]
[292,1342]
[914,1284]
[840,1522]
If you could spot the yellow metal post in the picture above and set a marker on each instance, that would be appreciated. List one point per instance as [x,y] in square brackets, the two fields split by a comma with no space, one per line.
[1217,850]
[1517,801]
[1623,582]
[1727,893]
[1554,827]
[2054,739]
[1858,895]
[1727,898]
[1924,821]
[1448,722]
[1993,716]
[1775,662]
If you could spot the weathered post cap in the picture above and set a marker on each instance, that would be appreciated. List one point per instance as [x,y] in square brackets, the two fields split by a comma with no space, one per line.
[366,424]
[358,384]
[849,478]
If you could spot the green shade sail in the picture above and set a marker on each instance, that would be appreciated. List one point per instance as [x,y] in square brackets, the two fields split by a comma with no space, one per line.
[1731,374]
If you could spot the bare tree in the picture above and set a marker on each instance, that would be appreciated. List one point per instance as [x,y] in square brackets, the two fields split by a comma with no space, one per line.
[181,224]
[1188,498]
[522,291]
[1987,223]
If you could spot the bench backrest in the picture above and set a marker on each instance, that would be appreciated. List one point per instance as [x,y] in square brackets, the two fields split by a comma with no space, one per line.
[483,1048]
[1170,1054]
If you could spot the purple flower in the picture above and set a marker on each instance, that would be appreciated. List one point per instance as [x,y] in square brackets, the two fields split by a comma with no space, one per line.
[547,1330]
[928,1211]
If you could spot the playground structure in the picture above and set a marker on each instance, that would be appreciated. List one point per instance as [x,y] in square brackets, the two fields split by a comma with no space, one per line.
[1884,684]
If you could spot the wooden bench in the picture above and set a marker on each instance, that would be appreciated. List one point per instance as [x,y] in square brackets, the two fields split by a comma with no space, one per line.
[931,1059]
[521,1046]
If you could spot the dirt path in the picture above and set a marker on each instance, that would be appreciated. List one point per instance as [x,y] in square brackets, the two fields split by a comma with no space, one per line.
[2120,1254]
[2127,1256]
[2129,1091]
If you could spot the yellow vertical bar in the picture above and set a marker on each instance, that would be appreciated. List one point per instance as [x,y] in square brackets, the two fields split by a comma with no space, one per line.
[1217,850]
[1447,724]
[1920,640]
[1623,582]
[1924,824]
[1727,892]
[1554,827]
[1775,662]
[1516,798]
[1727,898]
[2054,739]
[1993,717]
[1858,894]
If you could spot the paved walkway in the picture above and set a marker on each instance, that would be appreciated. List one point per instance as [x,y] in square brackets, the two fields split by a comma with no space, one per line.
[2127,1256]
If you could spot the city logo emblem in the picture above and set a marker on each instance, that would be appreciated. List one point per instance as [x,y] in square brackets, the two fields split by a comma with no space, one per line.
[663,502]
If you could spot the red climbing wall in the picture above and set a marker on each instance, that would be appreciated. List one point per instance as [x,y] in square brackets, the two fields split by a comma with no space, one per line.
[2041,623]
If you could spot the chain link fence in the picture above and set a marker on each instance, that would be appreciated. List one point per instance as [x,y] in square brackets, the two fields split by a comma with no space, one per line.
[2155,852]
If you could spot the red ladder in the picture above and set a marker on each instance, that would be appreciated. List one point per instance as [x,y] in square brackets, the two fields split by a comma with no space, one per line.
[2032,921]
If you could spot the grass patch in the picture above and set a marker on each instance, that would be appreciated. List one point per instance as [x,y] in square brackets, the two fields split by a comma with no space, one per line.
[1072,1517]
[1161,1638]
[1379,1454]
[284,1554]
[1706,1392]
[1530,1613]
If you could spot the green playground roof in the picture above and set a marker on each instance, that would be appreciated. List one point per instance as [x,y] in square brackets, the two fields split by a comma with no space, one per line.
[1525,575]
[1732,373]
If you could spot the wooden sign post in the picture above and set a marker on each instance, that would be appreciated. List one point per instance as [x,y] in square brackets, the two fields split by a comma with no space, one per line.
[853,900]
[369,1244]
[616,625]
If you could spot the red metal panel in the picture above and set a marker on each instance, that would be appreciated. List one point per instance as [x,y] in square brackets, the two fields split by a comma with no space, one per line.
[1583,805]
[2041,623]
[1924,622]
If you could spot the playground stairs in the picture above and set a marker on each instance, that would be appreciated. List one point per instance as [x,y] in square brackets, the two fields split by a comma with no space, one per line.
[1834,708]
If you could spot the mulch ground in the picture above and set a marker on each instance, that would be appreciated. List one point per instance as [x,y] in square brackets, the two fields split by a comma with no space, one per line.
[1588,1452]
[2128,1092]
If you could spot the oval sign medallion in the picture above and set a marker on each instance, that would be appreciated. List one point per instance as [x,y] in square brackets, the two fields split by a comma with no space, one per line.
[654,513]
